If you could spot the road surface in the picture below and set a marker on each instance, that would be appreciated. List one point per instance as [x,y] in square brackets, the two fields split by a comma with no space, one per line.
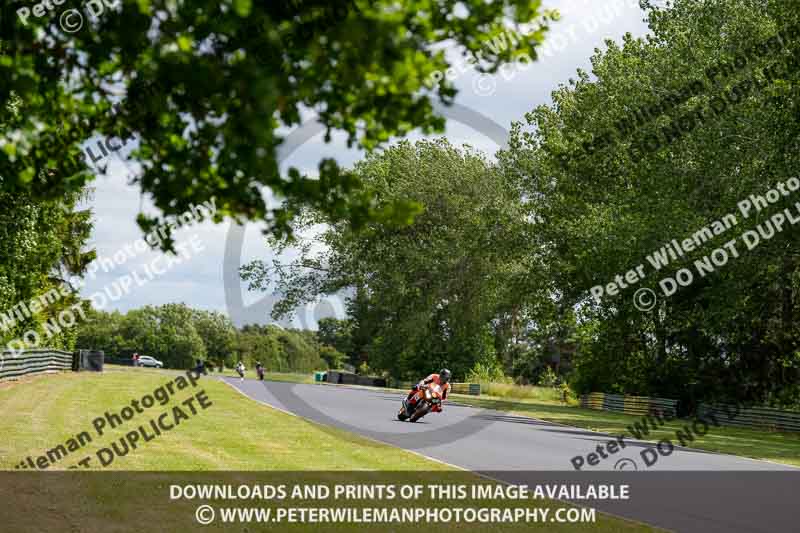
[683,490]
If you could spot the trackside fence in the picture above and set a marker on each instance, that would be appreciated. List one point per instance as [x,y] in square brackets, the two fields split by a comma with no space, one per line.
[15,365]
[347,378]
[632,405]
[473,389]
[121,361]
[725,414]
[753,417]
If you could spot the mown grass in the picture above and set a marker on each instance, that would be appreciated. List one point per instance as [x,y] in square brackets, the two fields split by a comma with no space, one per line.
[522,392]
[235,433]
[250,373]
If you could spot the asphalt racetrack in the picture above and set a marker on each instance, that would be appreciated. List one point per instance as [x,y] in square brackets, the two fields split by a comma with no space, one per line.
[687,490]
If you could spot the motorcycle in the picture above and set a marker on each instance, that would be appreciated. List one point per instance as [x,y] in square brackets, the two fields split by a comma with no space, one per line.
[428,398]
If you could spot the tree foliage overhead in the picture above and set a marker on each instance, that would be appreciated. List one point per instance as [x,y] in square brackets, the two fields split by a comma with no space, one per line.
[207,87]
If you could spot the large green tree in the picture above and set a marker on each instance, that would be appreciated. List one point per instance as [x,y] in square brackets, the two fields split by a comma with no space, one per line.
[428,294]
[217,332]
[667,136]
[167,333]
[43,246]
[338,334]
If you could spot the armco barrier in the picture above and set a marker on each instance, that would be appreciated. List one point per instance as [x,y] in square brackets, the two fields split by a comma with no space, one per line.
[632,405]
[15,365]
[753,417]
[593,400]
[724,414]
[346,378]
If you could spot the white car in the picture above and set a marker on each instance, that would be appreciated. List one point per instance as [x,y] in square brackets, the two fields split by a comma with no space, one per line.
[146,360]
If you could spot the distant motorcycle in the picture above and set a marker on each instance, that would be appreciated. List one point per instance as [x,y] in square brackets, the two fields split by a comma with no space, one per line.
[428,398]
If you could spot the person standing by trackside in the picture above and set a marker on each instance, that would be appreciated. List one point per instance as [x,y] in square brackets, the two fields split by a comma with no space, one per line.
[260,371]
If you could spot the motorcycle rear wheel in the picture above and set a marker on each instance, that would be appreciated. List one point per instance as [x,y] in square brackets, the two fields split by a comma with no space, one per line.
[419,414]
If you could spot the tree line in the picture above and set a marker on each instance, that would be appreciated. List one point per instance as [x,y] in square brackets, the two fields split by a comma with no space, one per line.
[179,336]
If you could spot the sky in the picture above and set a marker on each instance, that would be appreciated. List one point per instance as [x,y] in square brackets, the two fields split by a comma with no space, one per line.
[128,275]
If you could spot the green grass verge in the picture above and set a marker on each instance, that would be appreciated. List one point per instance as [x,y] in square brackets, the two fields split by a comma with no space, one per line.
[235,433]
[521,392]
[250,373]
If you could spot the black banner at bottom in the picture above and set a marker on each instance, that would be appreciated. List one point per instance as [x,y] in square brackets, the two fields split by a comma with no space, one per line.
[395,501]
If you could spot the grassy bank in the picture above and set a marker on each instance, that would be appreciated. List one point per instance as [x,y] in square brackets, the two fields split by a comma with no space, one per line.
[234,433]
[250,373]
[523,392]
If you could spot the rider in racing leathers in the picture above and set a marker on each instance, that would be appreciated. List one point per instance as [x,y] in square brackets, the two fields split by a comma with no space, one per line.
[442,379]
